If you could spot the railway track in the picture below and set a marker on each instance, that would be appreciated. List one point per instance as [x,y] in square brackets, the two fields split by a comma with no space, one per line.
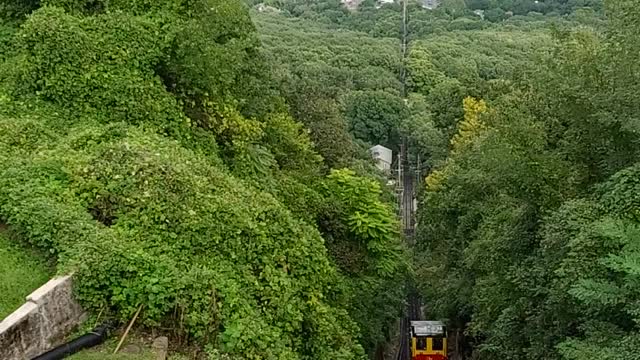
[404,348]
[412,311]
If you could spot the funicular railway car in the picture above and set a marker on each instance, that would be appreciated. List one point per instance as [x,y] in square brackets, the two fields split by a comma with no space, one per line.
[428,340]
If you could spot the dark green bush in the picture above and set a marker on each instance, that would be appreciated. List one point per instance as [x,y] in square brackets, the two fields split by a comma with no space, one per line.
[101,166]
[173,233]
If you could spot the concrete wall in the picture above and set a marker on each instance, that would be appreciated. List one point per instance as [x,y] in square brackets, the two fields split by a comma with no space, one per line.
[49,314]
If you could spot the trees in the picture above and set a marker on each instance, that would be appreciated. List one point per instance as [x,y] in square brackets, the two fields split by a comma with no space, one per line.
[428,141]
[363,237]
[325,74]
[383,21]
[454,7]
[174,157]
[518,224]
[332,81]
[478,226]
[147,147]
[374,116]
[16,10]
[523,7]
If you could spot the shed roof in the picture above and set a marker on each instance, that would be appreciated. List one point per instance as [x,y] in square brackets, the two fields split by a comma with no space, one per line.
[379,147]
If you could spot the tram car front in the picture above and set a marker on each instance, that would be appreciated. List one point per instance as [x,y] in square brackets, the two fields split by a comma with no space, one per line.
[428,340]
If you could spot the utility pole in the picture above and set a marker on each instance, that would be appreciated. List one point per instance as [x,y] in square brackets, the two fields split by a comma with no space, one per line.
[407,194]
[404,28]
[400,186]
[404,46]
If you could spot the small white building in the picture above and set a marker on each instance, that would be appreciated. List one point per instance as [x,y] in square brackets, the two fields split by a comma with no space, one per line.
[381,3]
[262,7]
[430,4]
[382,156]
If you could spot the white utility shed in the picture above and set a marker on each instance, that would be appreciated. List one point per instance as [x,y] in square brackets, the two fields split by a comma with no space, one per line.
[382,156]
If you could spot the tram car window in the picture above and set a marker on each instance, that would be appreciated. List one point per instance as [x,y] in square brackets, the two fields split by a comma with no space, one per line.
[437,343]
[428,340]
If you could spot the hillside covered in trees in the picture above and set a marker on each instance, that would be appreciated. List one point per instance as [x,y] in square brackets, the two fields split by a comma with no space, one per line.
[207,162]
[383,19]
[525,131]
[150,149]
[527,230]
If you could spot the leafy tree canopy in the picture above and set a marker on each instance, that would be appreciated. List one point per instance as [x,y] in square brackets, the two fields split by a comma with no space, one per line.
[146,146]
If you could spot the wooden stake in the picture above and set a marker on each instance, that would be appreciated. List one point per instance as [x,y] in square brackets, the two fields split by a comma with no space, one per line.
[98,318]
[128,328]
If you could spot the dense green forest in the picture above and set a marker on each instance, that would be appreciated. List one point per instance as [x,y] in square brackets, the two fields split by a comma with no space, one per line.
[152,149]
[527,229]
[526,129]
[383,20]
[207,161]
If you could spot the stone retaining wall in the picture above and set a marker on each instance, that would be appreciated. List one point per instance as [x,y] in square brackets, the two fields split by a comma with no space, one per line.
[49,314]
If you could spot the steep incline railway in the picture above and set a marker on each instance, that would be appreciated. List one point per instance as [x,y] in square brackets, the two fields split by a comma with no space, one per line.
[407,212]
[412,312]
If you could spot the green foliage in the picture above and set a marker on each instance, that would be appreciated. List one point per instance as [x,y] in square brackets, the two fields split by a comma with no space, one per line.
[453,55]
[329,132]
[369,222]
[21,271]
[373,116]
[290,143]
[16,10]
[88,66]
[160,150]
[601,269]
[142,249]
[317,68]
[446,68]
[426,140]
[453,7]
[524,251]
[451,15]
[142,144]
[363,237]
[220,63]
[582,110]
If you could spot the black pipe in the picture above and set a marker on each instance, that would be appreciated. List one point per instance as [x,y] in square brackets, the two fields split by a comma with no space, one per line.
[93,338]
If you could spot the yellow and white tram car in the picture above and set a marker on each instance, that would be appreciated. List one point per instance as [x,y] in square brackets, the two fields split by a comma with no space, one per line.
[428,340]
